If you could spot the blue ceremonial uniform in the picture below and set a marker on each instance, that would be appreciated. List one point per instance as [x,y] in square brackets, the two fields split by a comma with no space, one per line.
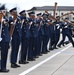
[57,26]
[52,38]
[40,37]
[4,43]
[15,32]
[16,38]
[34,38]
[32,53]
[66,32]
[46,28]
[4,39]
[25,40]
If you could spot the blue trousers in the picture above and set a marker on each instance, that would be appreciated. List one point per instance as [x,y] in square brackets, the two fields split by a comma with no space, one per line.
[52,40]
[45,42]
[40,41]
[24,48]
[66,33]
[57,37]
[33,47]
[4,53]
[14,50]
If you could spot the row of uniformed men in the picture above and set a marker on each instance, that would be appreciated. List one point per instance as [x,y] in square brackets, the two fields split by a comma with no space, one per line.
[33,34]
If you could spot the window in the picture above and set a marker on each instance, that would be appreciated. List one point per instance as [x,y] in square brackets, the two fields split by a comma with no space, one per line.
[61,13]
[73,13]
[73,18]
[56,14]
[62,18]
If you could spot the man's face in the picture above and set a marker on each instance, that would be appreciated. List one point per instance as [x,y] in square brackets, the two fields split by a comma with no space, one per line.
[4,12]
[33,16]
[13,13]
[49,17]
[24,15]
[44,17]
[58,19]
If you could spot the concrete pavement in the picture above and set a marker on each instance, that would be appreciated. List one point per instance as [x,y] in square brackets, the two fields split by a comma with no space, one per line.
[57,62]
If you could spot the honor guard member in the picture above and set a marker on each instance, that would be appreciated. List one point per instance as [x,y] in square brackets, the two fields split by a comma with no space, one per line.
[34,37]
[51,40]
[4,38]
[46,34]
[57,26]
[51,31]
[16,37]
[24,38]
[40,33]
[66,32]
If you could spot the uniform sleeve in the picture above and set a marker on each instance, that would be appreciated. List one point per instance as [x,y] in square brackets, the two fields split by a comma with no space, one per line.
[11,22]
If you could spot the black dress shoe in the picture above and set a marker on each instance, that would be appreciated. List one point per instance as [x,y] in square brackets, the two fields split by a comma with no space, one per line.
[55,48]
[44,52]
[59,46]
[31,59]
[5,70]
[23,62]
[50,48]
[47,51]
[26,62]
[15,65]
[40,54]
[63,45]
[66,42]
[36,57]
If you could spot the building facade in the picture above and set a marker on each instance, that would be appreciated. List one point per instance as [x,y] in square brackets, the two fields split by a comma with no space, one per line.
[61,10]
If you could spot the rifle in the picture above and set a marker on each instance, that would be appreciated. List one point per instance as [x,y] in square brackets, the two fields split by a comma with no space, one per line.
[1,15]
[12,25]
[66,14]
[55,9]
[67,20]
[54,12]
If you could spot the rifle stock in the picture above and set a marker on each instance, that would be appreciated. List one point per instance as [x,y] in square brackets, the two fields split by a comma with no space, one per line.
[12,26]
[1,15]
[55,8]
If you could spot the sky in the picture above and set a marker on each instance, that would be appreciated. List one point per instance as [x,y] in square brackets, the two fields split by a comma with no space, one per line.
[28,4]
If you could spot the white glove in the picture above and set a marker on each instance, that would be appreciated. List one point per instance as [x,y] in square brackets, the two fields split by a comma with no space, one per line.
[0,39]
[58,27]
[65,23]
[11,38]
[57,24]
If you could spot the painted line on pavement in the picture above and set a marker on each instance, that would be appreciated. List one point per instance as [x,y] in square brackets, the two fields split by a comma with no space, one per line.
[42,62]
